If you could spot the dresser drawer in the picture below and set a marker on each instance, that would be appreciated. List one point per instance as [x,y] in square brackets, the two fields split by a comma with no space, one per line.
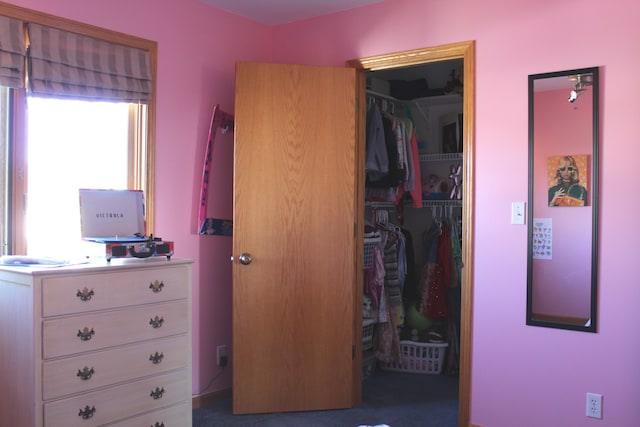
[87,292]
[83,373]
[77,334]
[175,416]
[118,403]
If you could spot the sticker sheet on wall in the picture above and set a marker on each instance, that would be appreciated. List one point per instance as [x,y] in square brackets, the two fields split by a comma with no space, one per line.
[568,180]
[542,238]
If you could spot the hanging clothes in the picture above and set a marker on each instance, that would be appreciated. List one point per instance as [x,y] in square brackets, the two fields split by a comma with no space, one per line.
[387,348]
[413,183]
[374,277]
[455,300]
[411,289]
[384,283]
[416,191]
[437,272]
[391,158]
[376,157]
[445,255]
[392,279]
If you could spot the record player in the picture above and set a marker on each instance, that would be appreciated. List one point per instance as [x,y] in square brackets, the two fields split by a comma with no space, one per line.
[113,225]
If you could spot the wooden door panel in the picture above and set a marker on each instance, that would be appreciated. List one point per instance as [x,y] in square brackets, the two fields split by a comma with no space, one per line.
[294,213]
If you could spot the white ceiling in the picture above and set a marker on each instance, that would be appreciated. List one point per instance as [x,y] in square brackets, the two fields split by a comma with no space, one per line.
[275,12]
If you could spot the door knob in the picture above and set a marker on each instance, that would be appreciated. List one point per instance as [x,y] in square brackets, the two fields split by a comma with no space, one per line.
[245,259]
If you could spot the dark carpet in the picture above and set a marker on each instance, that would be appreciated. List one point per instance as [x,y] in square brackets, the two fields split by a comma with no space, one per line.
[395,399]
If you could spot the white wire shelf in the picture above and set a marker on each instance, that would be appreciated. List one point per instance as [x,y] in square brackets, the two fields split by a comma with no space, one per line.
[425,203]
[437,203]
[439,157]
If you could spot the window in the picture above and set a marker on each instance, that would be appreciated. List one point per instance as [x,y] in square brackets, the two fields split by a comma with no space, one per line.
[5,200]
[42,168]
[71,144]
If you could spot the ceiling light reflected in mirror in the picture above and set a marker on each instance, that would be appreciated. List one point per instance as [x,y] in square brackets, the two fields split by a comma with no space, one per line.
[581,82]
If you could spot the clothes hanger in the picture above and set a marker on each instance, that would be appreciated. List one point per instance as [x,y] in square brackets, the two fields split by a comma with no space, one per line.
[435,216]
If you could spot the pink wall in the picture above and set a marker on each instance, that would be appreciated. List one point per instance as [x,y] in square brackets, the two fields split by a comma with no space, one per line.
[524,376]
[197,50]
[563,283]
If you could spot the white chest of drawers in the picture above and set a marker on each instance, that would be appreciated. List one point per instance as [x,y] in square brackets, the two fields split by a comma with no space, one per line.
[93,345]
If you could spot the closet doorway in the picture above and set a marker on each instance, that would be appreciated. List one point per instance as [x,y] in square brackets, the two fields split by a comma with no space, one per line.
[463,51]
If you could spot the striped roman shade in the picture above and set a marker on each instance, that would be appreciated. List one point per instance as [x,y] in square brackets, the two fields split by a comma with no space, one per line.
[68,65]
[11,52]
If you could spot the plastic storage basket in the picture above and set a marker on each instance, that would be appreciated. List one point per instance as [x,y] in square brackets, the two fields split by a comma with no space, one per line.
[369,245]
[418,357]
[368,326]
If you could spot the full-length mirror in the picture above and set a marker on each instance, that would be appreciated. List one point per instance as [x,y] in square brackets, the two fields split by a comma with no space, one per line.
[563,200]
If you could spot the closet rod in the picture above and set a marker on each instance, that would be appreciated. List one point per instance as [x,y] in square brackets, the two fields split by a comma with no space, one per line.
[375,204]
[375,94]
[383,96]
[384,100]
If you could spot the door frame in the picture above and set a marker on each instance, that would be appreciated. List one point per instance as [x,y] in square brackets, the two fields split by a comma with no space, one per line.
[466,52]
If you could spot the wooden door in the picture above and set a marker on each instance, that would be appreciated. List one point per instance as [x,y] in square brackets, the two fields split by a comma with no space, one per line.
[294,214]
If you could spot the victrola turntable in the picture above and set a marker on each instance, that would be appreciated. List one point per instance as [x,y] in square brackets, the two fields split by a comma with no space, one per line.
[113,224]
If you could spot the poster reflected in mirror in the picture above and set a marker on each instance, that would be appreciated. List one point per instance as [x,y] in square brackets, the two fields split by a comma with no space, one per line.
[568,180]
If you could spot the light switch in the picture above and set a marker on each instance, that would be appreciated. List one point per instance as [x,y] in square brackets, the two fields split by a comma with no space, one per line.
[517,213]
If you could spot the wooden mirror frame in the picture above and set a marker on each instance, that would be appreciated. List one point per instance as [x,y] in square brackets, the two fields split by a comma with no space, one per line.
[560,320]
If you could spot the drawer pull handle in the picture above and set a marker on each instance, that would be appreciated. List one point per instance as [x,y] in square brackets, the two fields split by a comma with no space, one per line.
[157,393]
[85,294]
[85,334]
[156,286]
[156,358]
[85,373]
[87,412]
[156,322]
[157,424]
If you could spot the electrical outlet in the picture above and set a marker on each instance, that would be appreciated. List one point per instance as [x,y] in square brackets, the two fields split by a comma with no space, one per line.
[594,405]
[222,355]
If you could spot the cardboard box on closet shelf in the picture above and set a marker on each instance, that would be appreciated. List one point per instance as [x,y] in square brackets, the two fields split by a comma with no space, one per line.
[378,85]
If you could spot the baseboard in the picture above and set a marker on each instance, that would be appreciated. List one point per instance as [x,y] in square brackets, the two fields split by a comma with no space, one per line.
[210,398]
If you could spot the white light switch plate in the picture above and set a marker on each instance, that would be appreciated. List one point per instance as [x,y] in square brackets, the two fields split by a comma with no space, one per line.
[517,213]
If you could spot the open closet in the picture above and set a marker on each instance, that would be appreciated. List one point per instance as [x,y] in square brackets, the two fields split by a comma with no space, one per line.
[322,283]
[413,219]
